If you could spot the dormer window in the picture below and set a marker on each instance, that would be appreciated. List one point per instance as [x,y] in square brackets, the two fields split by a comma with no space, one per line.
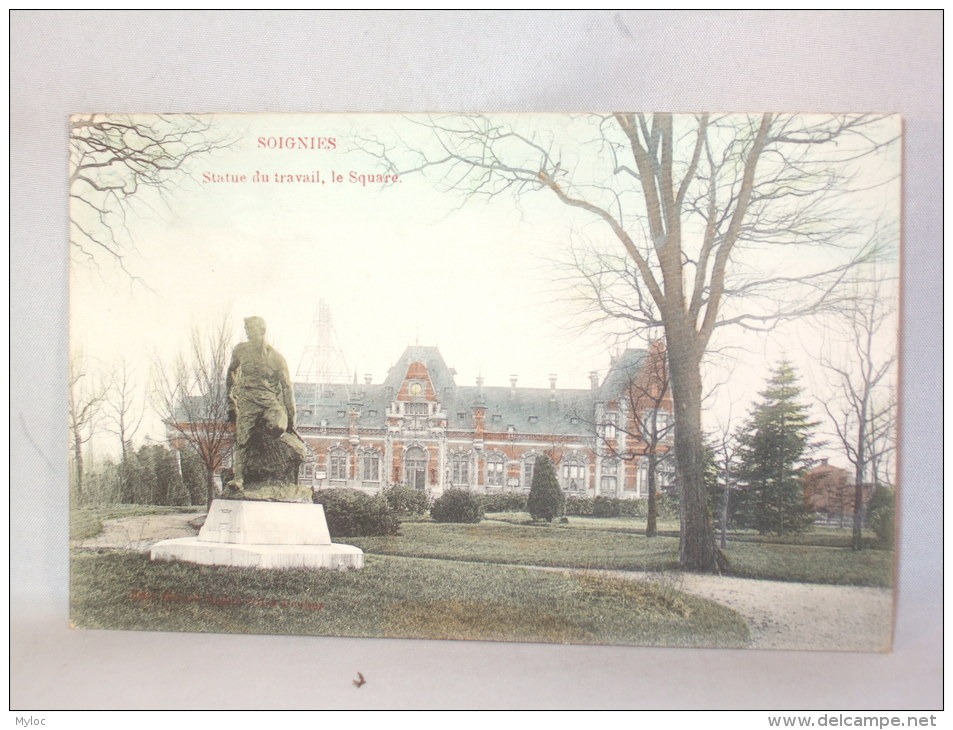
[534,419]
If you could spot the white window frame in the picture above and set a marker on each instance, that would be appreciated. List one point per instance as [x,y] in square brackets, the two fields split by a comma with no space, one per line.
[495,470]
[371,456]
[337,463]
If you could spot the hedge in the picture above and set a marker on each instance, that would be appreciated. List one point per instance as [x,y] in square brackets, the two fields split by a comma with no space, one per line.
[351,513]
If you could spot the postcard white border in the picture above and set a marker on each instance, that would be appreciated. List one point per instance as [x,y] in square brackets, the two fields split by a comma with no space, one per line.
[65,62]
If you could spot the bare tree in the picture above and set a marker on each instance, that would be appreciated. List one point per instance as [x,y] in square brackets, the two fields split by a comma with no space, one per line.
[191,395]
[883,437]
[85,400]
[123,407]
[119,161]
[646,402]
[863,410]
[696,207]
[725,446]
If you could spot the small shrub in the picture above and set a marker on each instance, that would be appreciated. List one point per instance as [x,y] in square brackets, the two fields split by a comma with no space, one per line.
[407,500]
[457,505]
[503,502]
[880,515]
[354,514]
[546,499]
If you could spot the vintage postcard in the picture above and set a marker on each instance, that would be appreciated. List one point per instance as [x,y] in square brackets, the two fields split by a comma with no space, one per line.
[608,378]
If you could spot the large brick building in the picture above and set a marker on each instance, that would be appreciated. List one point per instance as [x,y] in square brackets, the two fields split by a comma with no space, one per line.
[421,429]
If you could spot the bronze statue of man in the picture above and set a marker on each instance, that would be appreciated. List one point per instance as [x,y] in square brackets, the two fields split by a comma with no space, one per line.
[261,394]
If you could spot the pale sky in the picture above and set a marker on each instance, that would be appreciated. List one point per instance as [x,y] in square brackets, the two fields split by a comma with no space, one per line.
[397,265]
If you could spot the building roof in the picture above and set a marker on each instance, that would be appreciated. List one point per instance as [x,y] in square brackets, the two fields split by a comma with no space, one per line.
[558,411]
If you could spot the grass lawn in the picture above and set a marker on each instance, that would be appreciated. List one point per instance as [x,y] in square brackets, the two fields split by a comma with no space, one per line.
[634,525]
[582,544]
[394,597]
[811,563]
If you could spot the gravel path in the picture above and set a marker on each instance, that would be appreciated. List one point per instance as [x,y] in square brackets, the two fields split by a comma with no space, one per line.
[140,533]
[806,616]
[780,615]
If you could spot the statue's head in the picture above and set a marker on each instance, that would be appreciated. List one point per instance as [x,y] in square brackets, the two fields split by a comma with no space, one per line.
[255,329]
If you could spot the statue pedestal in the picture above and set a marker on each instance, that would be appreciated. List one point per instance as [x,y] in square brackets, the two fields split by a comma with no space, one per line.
[271,535]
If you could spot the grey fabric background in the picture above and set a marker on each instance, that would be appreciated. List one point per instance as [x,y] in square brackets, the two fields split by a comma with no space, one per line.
[135,61]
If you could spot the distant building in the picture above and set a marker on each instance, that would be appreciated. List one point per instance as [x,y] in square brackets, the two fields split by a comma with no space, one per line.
[829,494]
[420,429]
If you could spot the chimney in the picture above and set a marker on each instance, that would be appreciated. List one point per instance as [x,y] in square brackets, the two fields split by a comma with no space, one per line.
[367,378]
[479,381]
[479,419]
[513,379]
[552,387]
[594,379]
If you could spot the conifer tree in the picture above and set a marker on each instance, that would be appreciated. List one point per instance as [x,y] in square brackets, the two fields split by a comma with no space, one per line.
[546,499]
[775,447]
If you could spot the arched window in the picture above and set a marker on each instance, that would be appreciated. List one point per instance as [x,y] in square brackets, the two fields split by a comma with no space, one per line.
[664,475]
[573,471]
[495,469]
[415,467]
[337,464]
[460,468]
[370,465]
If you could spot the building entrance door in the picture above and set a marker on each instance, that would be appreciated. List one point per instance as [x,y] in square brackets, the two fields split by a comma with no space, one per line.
[415,468]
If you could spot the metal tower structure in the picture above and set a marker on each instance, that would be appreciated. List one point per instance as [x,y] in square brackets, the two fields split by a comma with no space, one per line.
[322,361]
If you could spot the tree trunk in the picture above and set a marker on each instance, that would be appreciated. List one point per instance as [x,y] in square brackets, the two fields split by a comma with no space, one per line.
[856,542]
[697,550]
[857,536]
[651,522]
[78,459]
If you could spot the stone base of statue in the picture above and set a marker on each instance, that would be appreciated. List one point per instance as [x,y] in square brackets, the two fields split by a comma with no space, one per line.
[261,534]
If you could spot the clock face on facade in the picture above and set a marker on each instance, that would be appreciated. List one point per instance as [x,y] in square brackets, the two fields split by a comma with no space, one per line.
[416,389]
